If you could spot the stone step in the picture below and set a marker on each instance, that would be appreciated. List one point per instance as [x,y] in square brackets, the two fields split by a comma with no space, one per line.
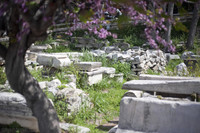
[168,86]
[161,77]
[53,60]
[88,66]
[90,78]
[151,115]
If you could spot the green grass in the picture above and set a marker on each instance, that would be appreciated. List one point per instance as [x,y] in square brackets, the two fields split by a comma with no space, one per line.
[2,76]
[150,71]
[105,97]
[37,73]
[58,49]
[172,65]
[124,68]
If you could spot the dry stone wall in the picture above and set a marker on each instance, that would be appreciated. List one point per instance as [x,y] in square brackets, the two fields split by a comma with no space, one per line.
[140,60]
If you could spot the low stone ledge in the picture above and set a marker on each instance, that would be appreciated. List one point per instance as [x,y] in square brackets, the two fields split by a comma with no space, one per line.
[88,66]
[142,115]
[168,86]
[161,77]
[53,60]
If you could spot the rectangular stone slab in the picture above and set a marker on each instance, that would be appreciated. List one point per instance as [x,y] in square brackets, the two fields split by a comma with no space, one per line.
[167,86]
[53,60]
[88,66]
[93,77]
[150,115]
[159,77]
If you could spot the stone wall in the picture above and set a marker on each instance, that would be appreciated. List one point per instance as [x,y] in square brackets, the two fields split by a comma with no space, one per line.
[140,60]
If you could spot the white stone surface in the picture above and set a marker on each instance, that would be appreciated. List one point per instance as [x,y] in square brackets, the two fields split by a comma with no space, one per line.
[43,84]
[90,78]
[39,48]
[168,86]
[74,98]
[108,71]
[133,93]
[88,66]
[71,77]
[53,83]
[13,108]
[32,56]
[161,77]
[172,57]
[150,115]
[119,77]
[79,129]
[181,69]
[53,60]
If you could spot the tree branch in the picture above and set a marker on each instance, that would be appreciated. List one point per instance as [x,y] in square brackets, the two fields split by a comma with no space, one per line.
[3,51]
[42,20]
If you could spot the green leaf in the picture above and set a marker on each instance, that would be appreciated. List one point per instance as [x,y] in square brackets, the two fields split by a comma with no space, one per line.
[182,11]
[85,15]
[181,27]
[122,19]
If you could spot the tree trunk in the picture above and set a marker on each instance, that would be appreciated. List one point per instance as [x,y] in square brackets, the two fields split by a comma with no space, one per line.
[168,23]
[22,82]
[193,26]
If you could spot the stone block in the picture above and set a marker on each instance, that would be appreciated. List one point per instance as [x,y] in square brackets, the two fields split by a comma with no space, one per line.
[38,48]
[74,98]
[168,86]
[71,78]
[2,61]
[108,71]
[119,77]
[162,77]
[53,60]
[72,127]
[43,84]
[32,56]
[88,66]
[93,77]
[151,115]
[172,57]
[13,108]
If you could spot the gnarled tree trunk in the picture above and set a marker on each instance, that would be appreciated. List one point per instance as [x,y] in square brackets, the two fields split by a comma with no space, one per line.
[168,23]
[18,76]
[22,82]
[193,26]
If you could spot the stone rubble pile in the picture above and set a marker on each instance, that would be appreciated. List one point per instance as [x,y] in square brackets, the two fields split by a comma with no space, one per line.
[140,60]
[74,98]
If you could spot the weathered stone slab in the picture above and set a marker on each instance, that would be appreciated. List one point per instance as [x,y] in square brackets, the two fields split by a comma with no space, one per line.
[119,77]
[13,108]
[74,128]
[172,57]
[88,66]
[53,60]
[29,122]
[93,77]
[161,77]
[151,115]
[168,86]
[75,98]
[38,48]
[2,61]
[108,71]
[32,56]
